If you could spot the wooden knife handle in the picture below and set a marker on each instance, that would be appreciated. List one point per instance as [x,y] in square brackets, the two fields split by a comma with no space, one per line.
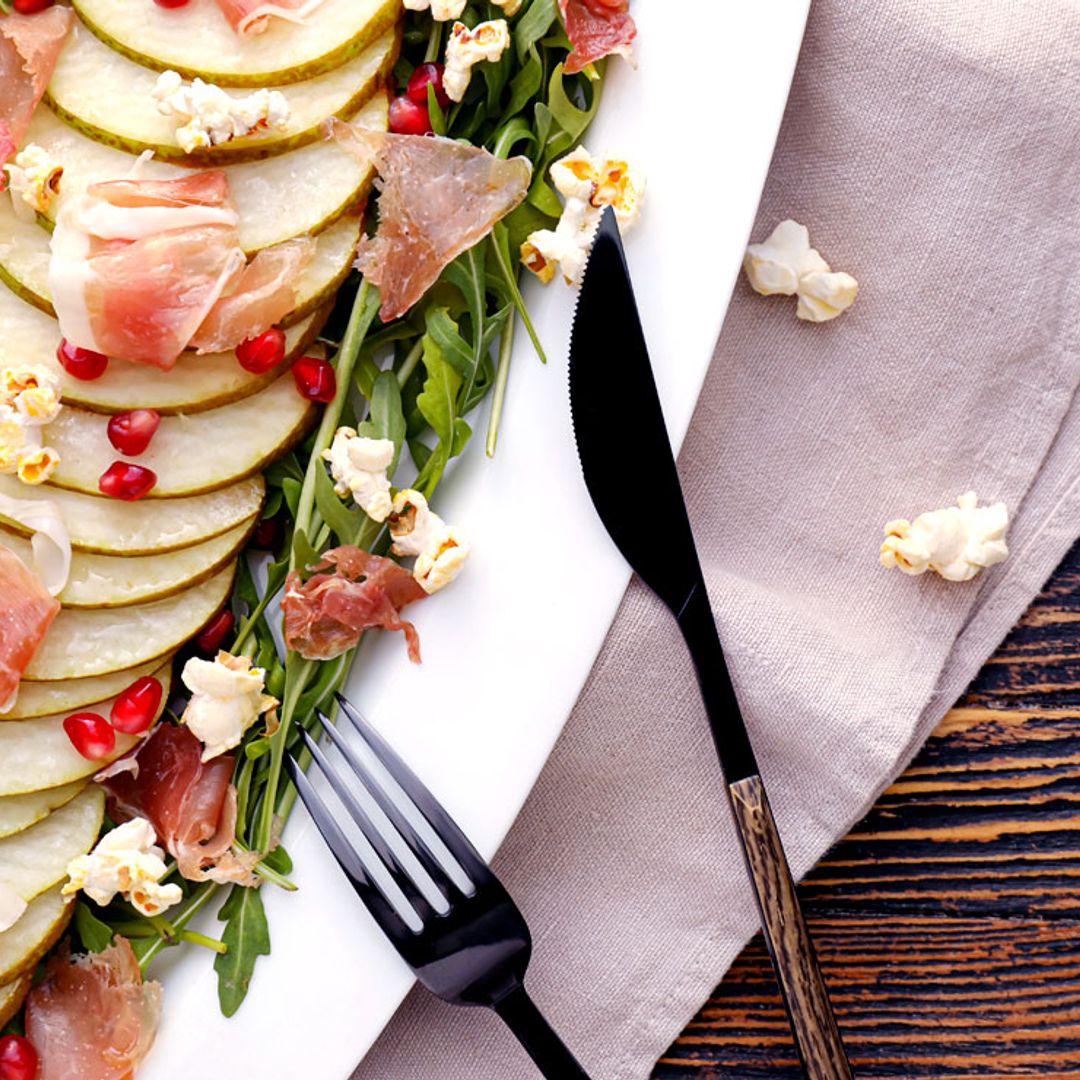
[813,1023]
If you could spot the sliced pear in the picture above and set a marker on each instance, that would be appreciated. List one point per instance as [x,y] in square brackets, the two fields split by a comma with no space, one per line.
[189,454]
[40,927]
[69,695]
[112,527]
[111,581]
[303,191]
[82,643]
[195,384]
[122,111]
[18,812]
[37,858]
[196,39]
[24,265]
[12,996]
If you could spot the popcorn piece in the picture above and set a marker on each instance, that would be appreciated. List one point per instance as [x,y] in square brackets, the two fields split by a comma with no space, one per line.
[125,861]
[441,10]
[955,542]
[33,393]
[226,699]
[588,184]
[487,41]
[358,465]
[785,264]
[22,451]
[510,7]
[440,549]
[12,906]
[208,116]
[34,179]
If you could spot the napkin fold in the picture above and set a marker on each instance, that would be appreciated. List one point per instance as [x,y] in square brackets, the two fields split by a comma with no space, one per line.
[929,145]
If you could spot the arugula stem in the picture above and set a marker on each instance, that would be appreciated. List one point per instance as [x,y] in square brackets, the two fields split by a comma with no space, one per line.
[434,44]
[188,910]
[408,365]
[206,942]
[510,277]
[502,375]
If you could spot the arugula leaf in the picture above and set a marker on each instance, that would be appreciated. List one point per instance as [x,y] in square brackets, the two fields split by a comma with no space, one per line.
[290,490]
[386,418]
[444,332]
[345,523]
[525,85]
[438,406]
[532,25]
[247,935]
[93,933]
[304,554]
[435,111]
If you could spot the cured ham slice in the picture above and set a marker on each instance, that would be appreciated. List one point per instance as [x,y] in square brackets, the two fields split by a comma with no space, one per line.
[251,17]
[439,198]
[263,295]
[26,612]
[92,1017]
[137,265]
[29,47]
[328,614]
[596,28]
[191,805]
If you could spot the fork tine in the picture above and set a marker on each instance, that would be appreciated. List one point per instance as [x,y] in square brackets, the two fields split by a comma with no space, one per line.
[417,844]
[401,876]
[384,912]
[444,825]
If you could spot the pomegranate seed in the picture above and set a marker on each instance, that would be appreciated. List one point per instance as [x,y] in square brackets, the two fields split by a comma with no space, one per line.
[122,480]
[134,710]
[170,3]
[424,76]
[30,7]
[18,1058]
[131,432]
[315,379]
[217,630]
[260,354]
[91,734]
[81,363]
[408,118]
[268,534]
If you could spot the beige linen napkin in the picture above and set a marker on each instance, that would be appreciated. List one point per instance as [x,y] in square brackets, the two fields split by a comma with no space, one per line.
[931,147]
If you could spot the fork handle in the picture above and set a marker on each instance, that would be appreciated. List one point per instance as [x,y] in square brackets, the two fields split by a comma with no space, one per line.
[538,1037]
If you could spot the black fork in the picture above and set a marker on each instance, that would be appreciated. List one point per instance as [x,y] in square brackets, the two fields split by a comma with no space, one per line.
[473,953]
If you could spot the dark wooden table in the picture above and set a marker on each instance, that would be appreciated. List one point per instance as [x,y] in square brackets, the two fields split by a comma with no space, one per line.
[948,922]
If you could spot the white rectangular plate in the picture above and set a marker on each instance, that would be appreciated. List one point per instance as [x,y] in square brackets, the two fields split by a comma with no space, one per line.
[509,645]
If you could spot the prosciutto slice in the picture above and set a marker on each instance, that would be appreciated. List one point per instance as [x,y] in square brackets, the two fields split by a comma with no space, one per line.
[29,47]
[264,293]
[191,805]
[596,28]
[249,17]
[137,265]
[438,198]
[92,1017]
[26,612]
[328,614]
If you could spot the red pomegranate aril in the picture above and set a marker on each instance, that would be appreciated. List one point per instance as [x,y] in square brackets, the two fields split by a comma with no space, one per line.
[170,3]
[268,534]
[30,7]
[408,118]
[81,363]
[315,379]
[134,710]
[122,480]
[18,1058]
[424,76]
[217,630]
[259,354]
[131,432]
[91,734]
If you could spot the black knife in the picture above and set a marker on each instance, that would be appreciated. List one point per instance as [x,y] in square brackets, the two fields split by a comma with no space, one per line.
[614,404]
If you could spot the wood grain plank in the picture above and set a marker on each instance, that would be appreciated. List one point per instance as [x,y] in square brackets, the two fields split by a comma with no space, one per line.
[948,921]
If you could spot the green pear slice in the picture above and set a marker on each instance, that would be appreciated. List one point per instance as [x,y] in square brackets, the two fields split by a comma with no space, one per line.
[196,39]
[36,699]
[40,927]
[123,112]
[12,996]
[189,454]
[195,384]
[81,642]
[18,812]
[111,581]
[111,527]
[24,264]
[37,858]
[302,191]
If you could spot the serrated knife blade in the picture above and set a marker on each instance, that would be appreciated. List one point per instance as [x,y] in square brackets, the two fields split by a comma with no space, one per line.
[630,473]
